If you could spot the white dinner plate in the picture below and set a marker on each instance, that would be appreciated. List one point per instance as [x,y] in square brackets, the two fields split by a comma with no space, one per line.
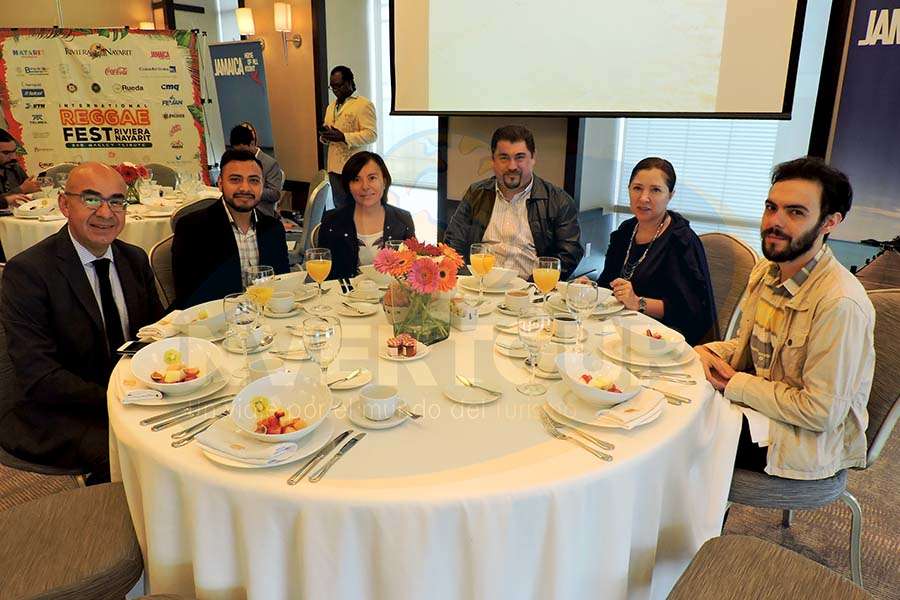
[565,404]
[363,295]
[291,313]
[309,290]
[306,446]
[511,352]
[469,283]
[216,383]
[462,394]
[231,345]
[421,352]
[367,309]
[609,307]
[356,416]
[612,347]
[364,377]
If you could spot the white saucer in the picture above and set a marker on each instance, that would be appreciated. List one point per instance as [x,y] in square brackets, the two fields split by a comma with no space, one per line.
[291,313]
[421,352]
[510,352]
[469,283]
[462,394]
[229,345]
[611,346]
[571,340]
[541,373]
[306,446]
[363,295]
[505,310]
[216,383]
[368,309]
[309,290]
[364,377]
[356,416]
[507,328]
[607,307]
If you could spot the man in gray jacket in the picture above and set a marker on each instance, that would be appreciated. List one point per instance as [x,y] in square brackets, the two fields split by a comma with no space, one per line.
[244,138]
[525,216]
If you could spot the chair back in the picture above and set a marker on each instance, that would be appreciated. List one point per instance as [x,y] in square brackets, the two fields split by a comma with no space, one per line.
[314,237]
[163,175]
[56,171]
[883,407]
[161,263]
[189,208]
[730,261]
[315,208]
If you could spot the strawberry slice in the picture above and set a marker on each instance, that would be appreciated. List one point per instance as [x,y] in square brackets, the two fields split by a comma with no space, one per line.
[586,378]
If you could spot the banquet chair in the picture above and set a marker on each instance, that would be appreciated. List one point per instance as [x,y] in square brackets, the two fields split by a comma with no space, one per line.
[764,491]
[163,175]
[10,393]
[316,204]
[734,567]
[189,208]
[71,545]
[161,263]
[730,262]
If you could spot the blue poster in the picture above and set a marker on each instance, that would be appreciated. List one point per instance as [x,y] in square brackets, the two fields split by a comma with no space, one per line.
[866,136]
[240,76]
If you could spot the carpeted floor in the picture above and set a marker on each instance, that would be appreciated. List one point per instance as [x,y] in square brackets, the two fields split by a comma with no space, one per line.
[824,535]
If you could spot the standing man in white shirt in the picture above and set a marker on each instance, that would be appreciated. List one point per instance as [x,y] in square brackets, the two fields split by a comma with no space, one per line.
[522,214]
[350,126]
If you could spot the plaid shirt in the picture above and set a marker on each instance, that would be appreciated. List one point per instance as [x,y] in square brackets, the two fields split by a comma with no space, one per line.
[770,311]
[248,251]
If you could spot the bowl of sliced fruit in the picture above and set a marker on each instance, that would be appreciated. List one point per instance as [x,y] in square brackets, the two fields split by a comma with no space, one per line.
[205,320]
[649,340]
[175,366]
[596,381]
[281,407]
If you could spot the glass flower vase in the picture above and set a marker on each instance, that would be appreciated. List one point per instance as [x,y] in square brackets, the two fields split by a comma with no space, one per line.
[426,317]
[132,194]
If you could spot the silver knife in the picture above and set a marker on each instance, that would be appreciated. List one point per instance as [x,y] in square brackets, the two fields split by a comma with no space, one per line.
[194,413]
[184,409]
[203,426]
[314,460]
[318,475]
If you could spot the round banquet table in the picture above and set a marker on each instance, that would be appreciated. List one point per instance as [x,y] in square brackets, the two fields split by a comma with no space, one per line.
[467,502]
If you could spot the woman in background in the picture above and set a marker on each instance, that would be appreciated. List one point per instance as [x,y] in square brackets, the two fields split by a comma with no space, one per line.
[655,263]
[356,232]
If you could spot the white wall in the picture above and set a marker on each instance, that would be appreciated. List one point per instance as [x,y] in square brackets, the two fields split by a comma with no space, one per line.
[348,35]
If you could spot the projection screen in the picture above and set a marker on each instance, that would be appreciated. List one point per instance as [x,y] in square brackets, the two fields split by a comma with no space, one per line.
[721,58]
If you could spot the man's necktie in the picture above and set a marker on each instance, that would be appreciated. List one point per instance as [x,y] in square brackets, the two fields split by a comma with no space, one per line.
[108,306]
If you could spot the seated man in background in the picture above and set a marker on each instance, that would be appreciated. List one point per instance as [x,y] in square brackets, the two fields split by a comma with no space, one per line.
[68,303]
[212,246]
[14,182]
[524,215]
[804,356]
[243,137]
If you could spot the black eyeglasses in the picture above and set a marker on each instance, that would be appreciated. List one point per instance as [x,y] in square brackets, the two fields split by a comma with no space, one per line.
[93,200]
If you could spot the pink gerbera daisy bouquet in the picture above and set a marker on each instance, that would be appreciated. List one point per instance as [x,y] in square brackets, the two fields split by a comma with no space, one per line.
[419,302]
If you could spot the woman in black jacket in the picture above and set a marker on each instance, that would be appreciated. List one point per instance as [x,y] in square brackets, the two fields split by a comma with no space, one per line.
[655,262]
[356,232]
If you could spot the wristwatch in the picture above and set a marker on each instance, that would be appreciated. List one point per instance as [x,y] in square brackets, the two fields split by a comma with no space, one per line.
[642,305]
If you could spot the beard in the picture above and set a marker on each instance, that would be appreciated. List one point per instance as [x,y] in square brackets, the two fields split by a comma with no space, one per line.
[229,200]
[796,247]
[512,180]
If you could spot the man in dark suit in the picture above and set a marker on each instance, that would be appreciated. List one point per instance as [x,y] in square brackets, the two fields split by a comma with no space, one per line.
[68,303]
[212,246]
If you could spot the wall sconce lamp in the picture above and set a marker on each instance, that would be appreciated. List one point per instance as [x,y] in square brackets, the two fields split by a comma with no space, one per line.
[283,24]
[245,24]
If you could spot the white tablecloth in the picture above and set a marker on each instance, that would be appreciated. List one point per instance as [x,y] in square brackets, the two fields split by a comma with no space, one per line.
[468,502]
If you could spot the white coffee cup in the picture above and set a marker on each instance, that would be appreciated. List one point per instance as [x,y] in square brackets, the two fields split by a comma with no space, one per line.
[366,285]
[264,366]
[517,300]
[547,357]
[379,402]
[565,326]
[281,302]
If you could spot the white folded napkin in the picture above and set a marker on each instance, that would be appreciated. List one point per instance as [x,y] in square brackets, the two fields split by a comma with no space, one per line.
[52,217]
[225,439]
[162,328]
[641,409]
[759,426]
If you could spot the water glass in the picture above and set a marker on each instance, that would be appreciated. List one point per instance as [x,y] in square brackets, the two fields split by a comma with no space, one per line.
[535,330]
[322,338]
[582,298]
[241,317]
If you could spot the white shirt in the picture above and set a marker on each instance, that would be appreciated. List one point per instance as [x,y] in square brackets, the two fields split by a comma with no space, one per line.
[248,251]
[87,259]
[368,247]
[509,228]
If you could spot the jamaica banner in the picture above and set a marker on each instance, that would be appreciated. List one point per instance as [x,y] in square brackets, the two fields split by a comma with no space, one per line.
[110,95]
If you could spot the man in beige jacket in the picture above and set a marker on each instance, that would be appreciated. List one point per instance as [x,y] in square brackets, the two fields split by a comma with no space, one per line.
[804,354]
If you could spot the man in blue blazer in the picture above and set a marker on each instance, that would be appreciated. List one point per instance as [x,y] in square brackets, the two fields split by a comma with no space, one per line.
[212,246]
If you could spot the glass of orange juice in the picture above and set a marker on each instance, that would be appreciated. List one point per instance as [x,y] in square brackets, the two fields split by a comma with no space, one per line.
[481,259]
[546,274]
[258,284]
[318,266]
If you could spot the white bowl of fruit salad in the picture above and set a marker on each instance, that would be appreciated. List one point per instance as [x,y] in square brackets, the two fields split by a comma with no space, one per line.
[175,366]
[649,340]
[205,320]
[281,407]
[596,381]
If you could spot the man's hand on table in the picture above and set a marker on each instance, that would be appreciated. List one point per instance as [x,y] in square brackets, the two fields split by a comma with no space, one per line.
[718,372]
[14,200]
[29,186]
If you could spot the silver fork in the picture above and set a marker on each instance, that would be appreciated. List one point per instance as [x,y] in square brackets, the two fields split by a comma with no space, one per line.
[469,383]
[552,430]
[582,434]
[198,429]
[408,413]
